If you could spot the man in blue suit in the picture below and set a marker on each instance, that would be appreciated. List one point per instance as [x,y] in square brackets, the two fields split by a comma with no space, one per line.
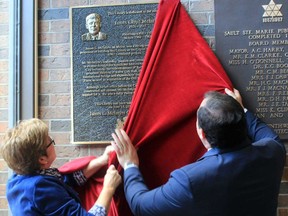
[239,175]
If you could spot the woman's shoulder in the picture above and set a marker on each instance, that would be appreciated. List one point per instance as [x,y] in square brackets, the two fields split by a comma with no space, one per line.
[32,180]
[29,185]
[40,192]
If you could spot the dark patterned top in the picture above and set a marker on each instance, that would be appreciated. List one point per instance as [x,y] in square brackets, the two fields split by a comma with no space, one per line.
[98,210]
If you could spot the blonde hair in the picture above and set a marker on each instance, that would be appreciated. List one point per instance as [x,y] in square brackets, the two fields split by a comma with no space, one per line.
[24,144]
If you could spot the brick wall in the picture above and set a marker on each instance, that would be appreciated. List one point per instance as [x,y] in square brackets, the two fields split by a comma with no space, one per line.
[55,75]
[4,51]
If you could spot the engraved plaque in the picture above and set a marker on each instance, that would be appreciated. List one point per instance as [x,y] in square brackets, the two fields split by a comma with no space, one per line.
[108,48]
[252,45]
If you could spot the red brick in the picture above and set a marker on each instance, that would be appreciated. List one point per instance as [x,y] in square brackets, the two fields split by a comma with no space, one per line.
[3,177]
[4,17]
[60,75]
[283,200]
[42,4]
[4,41]
[63,138]
[4,65]
[4,29]
[3,166]
[3,90]
[109,2]
[54,112]
[69,3]
[55,87]
[97,150]
[2,190]
[4,53]
[60,50]
[3,127]
[43,75]
[59,162]
[200,18]
[54,62]
[3,78]
[60,25]
[54,38]
[3,102]
[201,5]
[4,6]
[282,211]
[43,26]
[60,100]
[285,174]
[68,151]
[3,203]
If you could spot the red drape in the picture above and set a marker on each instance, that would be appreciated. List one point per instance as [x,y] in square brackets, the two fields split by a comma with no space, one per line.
[179,67]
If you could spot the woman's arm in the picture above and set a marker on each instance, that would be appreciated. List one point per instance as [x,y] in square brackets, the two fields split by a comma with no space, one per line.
[111,181]
[97,163]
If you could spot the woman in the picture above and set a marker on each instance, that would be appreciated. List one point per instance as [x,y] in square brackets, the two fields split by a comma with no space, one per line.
[37,189]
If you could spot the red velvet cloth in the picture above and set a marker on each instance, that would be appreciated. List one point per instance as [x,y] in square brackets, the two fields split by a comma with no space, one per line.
[89,192]
[179,67]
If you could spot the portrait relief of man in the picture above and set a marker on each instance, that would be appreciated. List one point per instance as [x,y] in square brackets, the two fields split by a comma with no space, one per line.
[93,24]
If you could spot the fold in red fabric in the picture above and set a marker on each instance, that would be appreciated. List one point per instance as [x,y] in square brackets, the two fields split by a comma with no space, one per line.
[178,68]
[88,193]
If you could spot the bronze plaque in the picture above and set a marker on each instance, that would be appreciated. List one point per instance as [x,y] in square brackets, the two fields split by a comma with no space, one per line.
[252,45]
[108,48]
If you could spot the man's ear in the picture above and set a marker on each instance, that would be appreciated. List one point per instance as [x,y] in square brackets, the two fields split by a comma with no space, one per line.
[43,160]
[202,136]
[201,133]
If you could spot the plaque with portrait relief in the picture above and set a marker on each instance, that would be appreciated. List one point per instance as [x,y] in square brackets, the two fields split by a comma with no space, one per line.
[108,47]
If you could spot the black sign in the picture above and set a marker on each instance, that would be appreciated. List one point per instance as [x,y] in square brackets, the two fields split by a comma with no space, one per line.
[252,44]
[108,48]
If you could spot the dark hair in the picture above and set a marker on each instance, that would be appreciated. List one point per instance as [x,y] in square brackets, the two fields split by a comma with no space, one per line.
[222,119]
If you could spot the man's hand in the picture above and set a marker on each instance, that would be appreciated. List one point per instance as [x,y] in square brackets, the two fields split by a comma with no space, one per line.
[126,152]
[235,94]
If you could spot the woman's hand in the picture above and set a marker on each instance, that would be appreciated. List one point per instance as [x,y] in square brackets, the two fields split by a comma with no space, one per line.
[105,156]
[112,178]
[96,164]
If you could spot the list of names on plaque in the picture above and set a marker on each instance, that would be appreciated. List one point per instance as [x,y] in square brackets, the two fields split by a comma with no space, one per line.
[254,53]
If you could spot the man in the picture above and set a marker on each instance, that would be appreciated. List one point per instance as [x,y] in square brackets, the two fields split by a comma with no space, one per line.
[93,24]
[240,173]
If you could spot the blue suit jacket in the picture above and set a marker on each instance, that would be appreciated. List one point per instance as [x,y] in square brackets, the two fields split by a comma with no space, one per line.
[42,195]
[242,181]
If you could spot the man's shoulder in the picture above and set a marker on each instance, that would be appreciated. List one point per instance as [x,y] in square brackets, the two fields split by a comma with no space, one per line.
[271,144]
[194,169]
